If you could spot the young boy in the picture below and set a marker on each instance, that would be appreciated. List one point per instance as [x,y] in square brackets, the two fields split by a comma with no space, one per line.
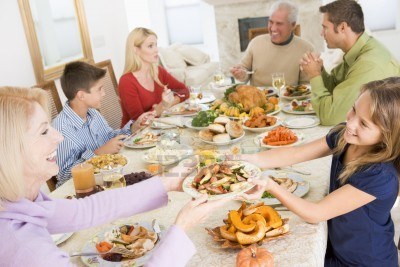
[86,133]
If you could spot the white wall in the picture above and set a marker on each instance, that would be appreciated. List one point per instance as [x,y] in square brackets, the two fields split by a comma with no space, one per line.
[108,29]
[15,67]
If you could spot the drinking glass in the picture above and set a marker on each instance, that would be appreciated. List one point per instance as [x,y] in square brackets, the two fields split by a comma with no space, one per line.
[113,179]
[278,81]
[248,146]
[219,77]
[83,178]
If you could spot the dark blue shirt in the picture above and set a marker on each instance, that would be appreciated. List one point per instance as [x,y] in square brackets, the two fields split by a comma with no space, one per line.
[365,236]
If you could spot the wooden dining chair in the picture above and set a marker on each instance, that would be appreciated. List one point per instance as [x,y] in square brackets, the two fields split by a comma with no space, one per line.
[253,32]
[110,106]
[54,101]
[55,107]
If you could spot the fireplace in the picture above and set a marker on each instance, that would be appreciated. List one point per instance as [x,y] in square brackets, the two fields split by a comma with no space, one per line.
[246,24]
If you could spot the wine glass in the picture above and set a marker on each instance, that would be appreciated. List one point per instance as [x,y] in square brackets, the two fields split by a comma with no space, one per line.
[219,77]
[278,81]
[113,179]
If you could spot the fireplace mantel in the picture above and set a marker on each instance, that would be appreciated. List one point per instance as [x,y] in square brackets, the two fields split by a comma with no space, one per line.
[228,12]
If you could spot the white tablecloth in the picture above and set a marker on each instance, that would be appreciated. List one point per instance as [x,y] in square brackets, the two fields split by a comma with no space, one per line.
[304,246]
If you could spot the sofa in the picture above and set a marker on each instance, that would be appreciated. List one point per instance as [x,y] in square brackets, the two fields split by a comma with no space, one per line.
[188,64]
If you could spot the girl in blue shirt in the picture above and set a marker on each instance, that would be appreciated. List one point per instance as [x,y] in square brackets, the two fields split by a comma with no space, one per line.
[364,180]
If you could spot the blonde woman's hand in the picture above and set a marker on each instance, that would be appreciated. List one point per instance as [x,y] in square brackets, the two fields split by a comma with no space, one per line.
[167,97]
[173,179]
[197,211]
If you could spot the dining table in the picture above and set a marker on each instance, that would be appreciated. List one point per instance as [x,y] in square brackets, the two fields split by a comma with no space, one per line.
[304,245]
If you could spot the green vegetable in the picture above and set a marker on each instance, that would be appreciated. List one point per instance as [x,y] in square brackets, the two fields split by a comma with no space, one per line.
[137,140]
[267,195]
[204,118]
[230,90]
[299,108]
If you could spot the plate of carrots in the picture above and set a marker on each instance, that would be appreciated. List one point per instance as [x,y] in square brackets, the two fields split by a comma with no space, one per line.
[281,136]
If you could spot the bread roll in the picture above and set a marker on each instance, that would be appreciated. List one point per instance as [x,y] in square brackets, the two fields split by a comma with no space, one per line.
[206,135]
[222,120]
[234,129]
[216,128]
[220,138]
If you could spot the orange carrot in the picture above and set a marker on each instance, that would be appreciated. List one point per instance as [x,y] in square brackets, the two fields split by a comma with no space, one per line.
[103,246]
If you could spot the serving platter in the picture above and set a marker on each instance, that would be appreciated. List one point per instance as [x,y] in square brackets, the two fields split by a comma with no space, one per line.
[258,140]
[188,123]
[254,173]
[262,129]
[232,141]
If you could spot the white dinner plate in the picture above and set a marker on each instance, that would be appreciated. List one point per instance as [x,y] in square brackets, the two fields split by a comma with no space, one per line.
[98,261]
[60,238]
[288,109]
[160,125]
[301,122]
[271,90]
[302,188]
[258,140]
[173,110]
[262,129]
[129,142]
[168,159]
[303,96]
[188,123]
[207,98]
[224,143]
[253,170]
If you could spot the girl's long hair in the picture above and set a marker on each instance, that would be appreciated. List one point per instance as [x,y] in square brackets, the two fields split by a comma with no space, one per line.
[385,110]
[132,61]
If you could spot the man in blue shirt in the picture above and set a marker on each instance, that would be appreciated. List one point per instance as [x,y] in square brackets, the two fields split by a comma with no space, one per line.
[86,133]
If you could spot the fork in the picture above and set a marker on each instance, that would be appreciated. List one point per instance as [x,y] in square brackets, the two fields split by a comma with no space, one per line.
[114,249]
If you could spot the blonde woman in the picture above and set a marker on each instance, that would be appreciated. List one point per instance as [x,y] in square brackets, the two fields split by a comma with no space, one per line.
[145,85]
[364,179]
[28,146]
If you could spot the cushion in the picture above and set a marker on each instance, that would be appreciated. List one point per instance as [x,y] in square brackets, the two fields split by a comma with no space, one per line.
[199,75]
[179,74]
[192,55]
[171,59]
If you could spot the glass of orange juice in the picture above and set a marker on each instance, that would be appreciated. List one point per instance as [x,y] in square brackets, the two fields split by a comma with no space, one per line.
[83,178]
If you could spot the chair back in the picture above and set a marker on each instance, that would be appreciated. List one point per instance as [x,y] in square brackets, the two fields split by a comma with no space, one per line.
[54,103]
[253,32]
[110,107]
